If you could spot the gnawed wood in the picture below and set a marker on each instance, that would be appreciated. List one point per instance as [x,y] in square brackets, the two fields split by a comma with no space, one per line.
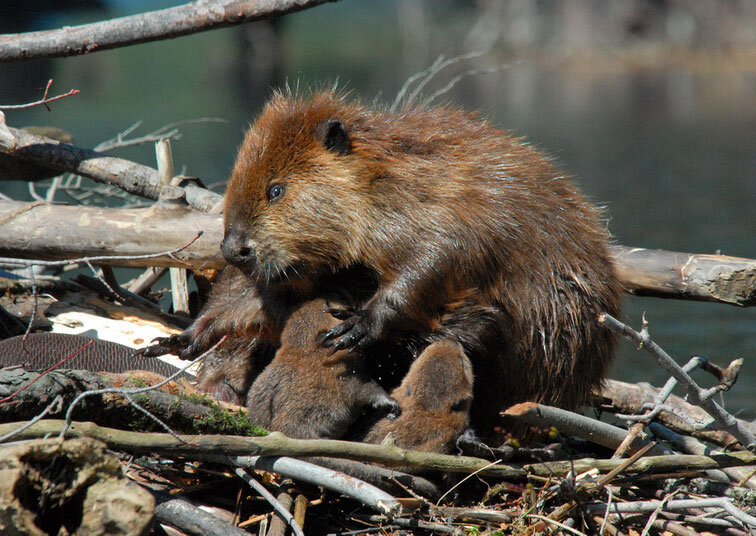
[670,274]
[56,232]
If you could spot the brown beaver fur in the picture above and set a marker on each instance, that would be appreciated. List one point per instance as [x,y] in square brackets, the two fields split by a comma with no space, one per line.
[460,232]
[308,392]
[434,398]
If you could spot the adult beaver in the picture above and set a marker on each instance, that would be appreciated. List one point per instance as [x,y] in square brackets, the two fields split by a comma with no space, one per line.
[461,231]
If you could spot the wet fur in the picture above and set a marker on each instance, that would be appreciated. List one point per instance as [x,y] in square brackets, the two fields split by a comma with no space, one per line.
[471,235]
[307,392]
[435,398]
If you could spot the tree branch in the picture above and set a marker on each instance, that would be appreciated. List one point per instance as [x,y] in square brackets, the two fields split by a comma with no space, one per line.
[129,176]
[151,26]
[655,272]
[277,444]
[696,395]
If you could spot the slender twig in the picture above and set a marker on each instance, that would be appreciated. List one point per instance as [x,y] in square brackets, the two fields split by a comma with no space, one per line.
[680,504]
[127,392]
[44,100]
[308,472]
[190,18]
[696,395]
[53,407]
[556,523]
[268,496]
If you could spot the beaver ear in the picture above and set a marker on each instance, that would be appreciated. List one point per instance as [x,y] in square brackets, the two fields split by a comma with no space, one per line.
[333,135]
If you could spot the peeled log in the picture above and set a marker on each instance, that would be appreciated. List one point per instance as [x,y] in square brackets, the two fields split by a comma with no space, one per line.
[669,274]
[57,232]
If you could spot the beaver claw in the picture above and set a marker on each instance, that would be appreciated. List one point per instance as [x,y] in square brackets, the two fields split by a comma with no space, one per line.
[353,333]
[179,345]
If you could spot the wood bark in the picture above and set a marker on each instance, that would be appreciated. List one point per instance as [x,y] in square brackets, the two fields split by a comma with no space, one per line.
[131,177]
[628,398]
[151,26]
[277,444]
[57,232]
[655,272]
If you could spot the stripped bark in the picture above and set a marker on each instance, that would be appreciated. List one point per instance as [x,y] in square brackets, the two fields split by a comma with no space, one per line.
[717,278]
[56,232]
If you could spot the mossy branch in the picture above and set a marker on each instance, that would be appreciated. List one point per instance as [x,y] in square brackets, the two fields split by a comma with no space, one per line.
[276,444]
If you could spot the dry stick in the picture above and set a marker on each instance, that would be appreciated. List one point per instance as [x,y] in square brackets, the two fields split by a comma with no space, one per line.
[679,414]
[277,444]
[409,524]
[123,237]
[183,515]
[148,278]
[277,526]
[680,504]
[653,272]
[320,476]
[691,445]
[570,423]
[129,176]
[44,100]
[53,407]
[100,258]
[696,395]
[300,508]
[179,290]
[670,524]
[265,494]
[151,26]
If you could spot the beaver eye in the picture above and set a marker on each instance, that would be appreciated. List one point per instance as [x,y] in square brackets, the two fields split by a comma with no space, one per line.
[274,192]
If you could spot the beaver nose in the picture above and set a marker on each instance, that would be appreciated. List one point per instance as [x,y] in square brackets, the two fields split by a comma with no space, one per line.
[235,250]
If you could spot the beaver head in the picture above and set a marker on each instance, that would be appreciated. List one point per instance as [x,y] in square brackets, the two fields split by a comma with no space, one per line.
[293,201]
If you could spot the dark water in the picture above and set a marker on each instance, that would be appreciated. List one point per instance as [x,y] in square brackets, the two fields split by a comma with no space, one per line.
[671,152]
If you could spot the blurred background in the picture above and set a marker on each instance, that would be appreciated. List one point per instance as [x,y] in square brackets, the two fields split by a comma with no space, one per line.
[649,104]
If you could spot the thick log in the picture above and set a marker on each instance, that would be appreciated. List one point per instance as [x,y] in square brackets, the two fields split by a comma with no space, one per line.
[669,274]
[56,232]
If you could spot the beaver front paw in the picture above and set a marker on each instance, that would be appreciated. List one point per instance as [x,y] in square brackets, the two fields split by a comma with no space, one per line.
[183,345]
[356,331]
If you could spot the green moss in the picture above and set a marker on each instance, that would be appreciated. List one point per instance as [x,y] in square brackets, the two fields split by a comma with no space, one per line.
[223,421]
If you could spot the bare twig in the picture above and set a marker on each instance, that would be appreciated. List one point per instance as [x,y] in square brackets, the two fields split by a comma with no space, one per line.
[334,480]
[53,407]
[192,520]
[681,504]
[129,176]
[190,18]
[571,423]
[696,395]
[44,100]
[268,496]
[276,444]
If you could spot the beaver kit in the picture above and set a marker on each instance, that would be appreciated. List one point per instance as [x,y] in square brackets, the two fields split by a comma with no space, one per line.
[437,226]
